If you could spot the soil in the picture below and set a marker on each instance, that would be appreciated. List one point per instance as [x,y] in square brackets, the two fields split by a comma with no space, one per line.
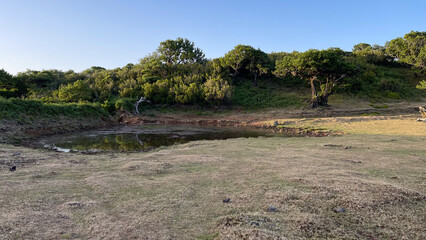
[368,184]
[278,188]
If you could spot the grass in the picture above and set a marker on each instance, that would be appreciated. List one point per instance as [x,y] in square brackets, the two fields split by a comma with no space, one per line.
[177,192]
[14,108]
[249,97]
[366,124]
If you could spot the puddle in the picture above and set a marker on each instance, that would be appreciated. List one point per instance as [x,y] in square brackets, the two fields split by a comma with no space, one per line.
[143,138]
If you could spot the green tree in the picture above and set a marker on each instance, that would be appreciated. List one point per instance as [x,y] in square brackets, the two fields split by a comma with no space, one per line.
[11,86]
[244,57]
[180,51]
[372,54]
[105,84]
[148,70]
[75,92]
[237,59]
[323,68]
[258,63]
[410,50]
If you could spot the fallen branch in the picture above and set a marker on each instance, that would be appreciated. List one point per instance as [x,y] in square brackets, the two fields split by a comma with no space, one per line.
[142,99]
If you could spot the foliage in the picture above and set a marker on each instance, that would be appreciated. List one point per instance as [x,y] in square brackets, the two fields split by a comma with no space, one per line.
[244,57]
[119,104]
[422,85]
[180,51]
[75,92]
[178,73]
[372,54]
[191,89]
[216,90]
[10,86]
[247,96]
[13,108]
[410,50]
[323,68]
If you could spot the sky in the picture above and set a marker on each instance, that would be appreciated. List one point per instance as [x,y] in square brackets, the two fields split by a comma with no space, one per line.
[78,34]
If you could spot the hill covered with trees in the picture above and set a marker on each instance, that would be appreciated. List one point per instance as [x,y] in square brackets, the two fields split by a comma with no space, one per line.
[178,73]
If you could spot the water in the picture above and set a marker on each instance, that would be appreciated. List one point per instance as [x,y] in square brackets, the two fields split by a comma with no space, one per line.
[143,138]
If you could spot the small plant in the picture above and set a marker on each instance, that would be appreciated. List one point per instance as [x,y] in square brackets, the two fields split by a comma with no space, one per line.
[393,95]
[377,106]
[119,104]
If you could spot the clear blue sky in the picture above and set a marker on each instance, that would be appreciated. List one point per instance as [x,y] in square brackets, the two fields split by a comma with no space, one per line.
[77,34]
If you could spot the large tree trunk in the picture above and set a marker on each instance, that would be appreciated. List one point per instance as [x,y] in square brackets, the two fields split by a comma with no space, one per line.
[255,80]
[314,102]
[327,88]
[319,101]
[313,91]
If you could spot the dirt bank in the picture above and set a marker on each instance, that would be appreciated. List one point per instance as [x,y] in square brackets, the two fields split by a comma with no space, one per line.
[24,131]
[310,122]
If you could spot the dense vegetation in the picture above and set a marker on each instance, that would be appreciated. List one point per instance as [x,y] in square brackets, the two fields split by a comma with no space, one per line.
[13,108]
[178,73]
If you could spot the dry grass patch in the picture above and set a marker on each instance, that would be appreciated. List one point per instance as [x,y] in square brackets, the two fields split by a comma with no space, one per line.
[178,192]
[391,126]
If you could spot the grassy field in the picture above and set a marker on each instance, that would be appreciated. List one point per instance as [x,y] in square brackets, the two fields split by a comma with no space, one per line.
[279,188]
[380,125]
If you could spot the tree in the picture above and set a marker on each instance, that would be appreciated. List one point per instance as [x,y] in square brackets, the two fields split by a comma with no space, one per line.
[148,70]
[361,47]
[180,51]
[75,92]
[246,57]
[11,86]
[259,63]
[236,58]
[372,54]
[323,68]
[410,50]
[104,82]
[5,79]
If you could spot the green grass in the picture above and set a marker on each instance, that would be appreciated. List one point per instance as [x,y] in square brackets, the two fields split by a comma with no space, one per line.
[14,108]
[250,97]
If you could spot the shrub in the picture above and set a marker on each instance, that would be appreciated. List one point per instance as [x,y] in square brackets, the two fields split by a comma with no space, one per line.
[75,92]
[13,108]
[393,95]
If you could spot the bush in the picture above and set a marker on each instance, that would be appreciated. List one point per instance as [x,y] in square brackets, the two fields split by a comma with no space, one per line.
[216,90]
[393,95]
[75,92]
[13,108]
[119,104]
[390,85]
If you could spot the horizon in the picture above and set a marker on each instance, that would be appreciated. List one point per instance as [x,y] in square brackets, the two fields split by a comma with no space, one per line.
[76,35]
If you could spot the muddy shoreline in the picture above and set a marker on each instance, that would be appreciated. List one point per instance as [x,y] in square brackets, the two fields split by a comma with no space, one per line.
[25,132]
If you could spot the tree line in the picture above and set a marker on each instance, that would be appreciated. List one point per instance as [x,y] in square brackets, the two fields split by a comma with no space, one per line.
[178,73]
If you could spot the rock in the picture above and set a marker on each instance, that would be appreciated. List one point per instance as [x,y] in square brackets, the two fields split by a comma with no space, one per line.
[16,153]
[74,235]
[226,200]
[272,209]
[256,224]
[339,210]
[12,169]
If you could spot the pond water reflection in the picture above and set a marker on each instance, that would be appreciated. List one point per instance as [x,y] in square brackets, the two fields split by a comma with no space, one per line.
[145,137]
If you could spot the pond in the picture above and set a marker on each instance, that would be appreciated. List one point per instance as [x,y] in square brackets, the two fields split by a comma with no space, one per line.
[144,137]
